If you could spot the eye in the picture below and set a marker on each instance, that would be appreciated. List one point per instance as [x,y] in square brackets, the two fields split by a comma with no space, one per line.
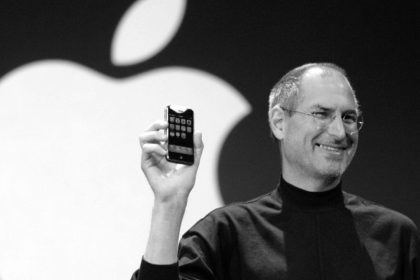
[320,114]
[349,118]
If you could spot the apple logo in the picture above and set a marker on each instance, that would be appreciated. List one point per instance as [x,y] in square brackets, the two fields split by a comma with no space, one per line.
[73,201]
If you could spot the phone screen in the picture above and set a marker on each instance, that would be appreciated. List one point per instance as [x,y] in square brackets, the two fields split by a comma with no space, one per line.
[180,134]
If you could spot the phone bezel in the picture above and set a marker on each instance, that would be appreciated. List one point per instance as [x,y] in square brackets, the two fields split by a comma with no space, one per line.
[173,156]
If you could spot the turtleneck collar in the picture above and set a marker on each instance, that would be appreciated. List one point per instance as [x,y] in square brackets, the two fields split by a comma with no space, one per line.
[299,199]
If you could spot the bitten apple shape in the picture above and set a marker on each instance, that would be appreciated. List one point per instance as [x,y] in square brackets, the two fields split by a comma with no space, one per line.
[73,201]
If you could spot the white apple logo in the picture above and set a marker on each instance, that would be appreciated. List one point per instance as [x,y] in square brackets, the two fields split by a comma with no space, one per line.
[73,201]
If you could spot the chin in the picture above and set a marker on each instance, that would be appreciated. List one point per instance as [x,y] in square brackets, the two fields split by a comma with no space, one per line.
[333,170]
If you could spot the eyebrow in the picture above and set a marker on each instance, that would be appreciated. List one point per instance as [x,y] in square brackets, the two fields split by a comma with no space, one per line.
[322,107]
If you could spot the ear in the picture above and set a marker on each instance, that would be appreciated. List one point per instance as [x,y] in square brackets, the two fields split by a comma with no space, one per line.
[276,120]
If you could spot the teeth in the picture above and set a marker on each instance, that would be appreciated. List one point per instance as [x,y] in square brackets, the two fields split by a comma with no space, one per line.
[329,148]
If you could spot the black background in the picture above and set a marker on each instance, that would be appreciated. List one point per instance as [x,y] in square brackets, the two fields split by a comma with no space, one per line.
[251,44]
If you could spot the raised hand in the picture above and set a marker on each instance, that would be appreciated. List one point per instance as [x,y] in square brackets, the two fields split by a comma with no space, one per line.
[167,180]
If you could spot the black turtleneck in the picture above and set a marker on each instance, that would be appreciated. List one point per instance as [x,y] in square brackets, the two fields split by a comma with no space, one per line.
[302,200]
[292,234]
[320,234]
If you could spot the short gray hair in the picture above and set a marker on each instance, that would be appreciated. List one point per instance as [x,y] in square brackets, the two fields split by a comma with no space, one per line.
[286,91]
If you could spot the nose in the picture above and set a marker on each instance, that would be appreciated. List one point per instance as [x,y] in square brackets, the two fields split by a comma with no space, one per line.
[336,128]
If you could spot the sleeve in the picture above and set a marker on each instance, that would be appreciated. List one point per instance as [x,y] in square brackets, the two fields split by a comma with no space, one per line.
[203,253]
[198,260]
[205,250]
[149,271]
[414,273]
[411,255]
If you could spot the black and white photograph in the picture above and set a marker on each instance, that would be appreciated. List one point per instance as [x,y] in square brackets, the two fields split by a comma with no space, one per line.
[209,139]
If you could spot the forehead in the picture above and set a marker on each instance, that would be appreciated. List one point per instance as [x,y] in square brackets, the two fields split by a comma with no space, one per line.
[328,89]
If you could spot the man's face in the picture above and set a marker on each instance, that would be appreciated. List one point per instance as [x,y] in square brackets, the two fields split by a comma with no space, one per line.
[315,151]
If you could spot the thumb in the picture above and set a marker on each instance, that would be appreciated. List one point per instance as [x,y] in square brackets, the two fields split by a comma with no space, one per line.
[198,147]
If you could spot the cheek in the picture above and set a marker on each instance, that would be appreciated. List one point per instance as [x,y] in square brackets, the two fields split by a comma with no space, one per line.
[297,148]
[300,138]
[352,151]
[294,142]
[354,141]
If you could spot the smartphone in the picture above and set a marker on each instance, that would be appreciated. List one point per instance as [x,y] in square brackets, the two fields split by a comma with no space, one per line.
[180,134]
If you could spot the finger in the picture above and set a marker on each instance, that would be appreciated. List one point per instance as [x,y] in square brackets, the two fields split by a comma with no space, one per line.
[158,125]
[152,137]
[153,150]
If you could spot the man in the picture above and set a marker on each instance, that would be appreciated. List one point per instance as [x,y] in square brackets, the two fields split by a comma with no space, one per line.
[307,228]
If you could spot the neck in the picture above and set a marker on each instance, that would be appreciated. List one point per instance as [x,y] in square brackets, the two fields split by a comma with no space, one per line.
[312,184]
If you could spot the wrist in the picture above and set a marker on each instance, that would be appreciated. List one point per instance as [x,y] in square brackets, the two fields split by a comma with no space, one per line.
[162,246]
[169,200]
[171,208]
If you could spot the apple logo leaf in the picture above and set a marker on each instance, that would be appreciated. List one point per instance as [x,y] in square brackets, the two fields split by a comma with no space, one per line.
[135,41]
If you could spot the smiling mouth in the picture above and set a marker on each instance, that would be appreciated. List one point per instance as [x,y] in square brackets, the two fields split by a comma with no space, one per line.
[331,149]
